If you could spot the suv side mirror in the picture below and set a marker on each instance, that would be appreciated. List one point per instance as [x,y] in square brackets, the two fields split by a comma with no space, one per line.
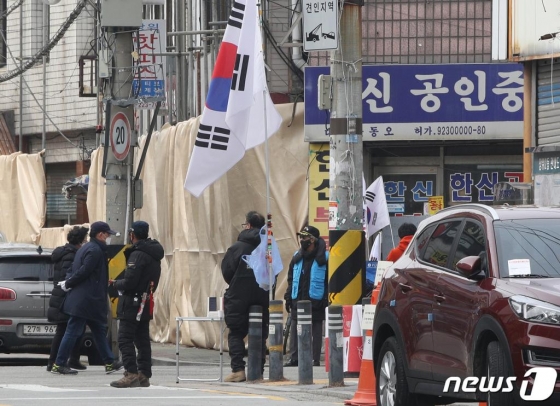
[470,267]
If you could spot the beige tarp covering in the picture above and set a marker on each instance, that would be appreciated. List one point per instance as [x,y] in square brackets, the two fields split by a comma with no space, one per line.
[22,196]
[194,232]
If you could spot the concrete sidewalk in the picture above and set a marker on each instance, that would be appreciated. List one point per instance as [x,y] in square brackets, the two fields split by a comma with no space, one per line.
[203,363]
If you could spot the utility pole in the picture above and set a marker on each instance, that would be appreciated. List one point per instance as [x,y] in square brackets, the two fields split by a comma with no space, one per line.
[346,236]
[119,20]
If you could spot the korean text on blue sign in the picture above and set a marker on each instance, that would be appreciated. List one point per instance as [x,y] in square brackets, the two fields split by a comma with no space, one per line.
[430,102]
[150,76]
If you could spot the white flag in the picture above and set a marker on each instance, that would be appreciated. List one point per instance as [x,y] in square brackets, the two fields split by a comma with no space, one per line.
[375,253]
[377,211]
[233,119]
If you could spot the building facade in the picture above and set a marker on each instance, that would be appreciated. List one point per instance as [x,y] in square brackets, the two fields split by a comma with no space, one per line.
[399,36]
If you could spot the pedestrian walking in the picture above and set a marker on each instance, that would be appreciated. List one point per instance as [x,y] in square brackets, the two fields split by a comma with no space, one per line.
[63,257]
[86,300]
[307,280]
[406,232]
[243,292]
[135,306]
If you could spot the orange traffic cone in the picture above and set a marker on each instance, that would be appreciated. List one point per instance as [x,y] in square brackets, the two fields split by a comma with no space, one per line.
[366,394]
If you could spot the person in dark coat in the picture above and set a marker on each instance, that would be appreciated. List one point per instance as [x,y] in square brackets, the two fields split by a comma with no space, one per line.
[135,306]
[307,280]
[86,300]
[243,292]
[63,257]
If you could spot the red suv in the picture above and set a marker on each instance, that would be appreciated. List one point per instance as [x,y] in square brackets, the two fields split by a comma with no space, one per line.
[476,295]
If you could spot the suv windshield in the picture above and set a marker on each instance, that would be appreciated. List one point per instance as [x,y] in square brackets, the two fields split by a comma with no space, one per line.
[528,248]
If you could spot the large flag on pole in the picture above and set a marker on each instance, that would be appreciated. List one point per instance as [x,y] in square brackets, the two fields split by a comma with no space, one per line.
[233,119]
[377,211]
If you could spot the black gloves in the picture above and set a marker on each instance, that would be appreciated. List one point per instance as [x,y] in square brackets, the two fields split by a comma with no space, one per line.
[288,305]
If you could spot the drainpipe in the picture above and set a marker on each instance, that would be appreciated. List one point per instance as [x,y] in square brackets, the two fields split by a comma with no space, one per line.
[297,52]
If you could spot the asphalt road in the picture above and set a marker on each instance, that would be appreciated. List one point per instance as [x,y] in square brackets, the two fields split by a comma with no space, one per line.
[24,381]
[27,385]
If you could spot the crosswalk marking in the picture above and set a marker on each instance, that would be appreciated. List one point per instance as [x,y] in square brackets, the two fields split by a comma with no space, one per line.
[42,388]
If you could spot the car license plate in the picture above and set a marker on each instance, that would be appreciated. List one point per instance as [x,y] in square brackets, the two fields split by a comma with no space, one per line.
[39,329]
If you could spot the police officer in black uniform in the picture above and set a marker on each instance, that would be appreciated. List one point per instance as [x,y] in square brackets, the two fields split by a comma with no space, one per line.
[134,310]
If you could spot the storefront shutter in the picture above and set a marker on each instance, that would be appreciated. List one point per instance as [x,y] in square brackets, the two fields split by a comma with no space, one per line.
[548,102]
[60,209]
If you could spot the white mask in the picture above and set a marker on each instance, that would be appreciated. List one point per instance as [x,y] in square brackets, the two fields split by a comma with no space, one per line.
[108,241]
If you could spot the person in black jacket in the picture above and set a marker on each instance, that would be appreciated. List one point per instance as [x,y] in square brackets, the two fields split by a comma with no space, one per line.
[63,257]
[243,292]
[135,306]
[86,300]
[307,280]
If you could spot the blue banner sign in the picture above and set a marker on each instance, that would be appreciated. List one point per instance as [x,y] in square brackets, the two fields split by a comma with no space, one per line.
[429,102]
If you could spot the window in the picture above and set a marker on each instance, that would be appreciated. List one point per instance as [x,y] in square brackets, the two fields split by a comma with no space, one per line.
[423,239]
[535,243]
[25,269]
[471,243]
[440,243]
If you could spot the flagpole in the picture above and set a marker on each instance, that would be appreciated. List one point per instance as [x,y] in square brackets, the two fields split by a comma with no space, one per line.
[268,210]
[392,235]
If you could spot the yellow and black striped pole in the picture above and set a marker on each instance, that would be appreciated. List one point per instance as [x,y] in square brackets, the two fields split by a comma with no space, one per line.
[346,267]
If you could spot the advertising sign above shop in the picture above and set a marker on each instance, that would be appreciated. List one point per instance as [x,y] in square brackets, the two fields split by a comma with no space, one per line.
[429,102]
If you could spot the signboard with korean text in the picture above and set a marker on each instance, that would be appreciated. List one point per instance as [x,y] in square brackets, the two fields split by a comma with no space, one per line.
[406,194]
[435,204]
[319,188]
[546,171]
[149,81]
[320,25]
[546,163]
[471,184]
[430,102]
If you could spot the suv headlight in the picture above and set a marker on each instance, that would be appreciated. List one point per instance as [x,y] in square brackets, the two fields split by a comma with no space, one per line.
[535,311]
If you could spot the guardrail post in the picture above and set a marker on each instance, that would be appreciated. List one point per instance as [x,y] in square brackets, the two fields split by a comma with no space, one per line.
[254,359]
[336,370]
[305,347]
[275,338]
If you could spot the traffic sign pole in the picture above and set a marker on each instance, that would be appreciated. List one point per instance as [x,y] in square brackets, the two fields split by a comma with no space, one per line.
[120,137]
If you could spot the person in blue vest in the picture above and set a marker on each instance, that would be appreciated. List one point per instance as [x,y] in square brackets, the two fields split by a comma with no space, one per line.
[307,280]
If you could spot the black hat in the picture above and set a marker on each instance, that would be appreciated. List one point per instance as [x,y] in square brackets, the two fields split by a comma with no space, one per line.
[140,229]
[309,230]
[101,227]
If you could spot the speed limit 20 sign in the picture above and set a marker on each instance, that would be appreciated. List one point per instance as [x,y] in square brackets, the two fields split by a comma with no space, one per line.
[120,136]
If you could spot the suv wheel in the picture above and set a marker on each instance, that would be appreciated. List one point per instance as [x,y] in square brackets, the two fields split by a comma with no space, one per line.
[496,366]
[392,386]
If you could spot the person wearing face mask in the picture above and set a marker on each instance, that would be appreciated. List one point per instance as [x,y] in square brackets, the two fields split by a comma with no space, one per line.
[63,257]
[86,300]
[307,280]
[243,292]
[141,278]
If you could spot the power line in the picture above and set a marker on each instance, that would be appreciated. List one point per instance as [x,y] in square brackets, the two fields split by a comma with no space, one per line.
[47,48]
